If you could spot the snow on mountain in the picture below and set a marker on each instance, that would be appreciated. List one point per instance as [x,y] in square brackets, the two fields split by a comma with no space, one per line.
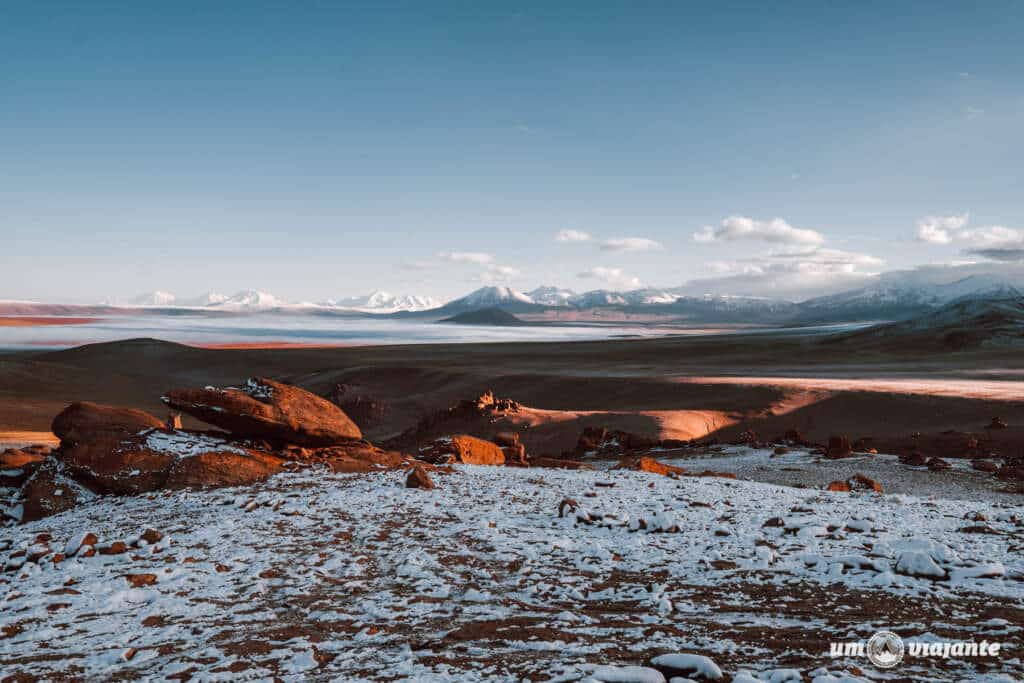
[249,300]
[492,296]
[157,298]
[383,302]
[894,297]
[551,296]
[208,299]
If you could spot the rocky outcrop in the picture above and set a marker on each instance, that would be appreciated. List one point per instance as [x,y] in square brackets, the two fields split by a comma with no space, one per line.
[267,410]
[50,491]
[647,464]
[222,469]
[857,482]
[84,421]
[464,449]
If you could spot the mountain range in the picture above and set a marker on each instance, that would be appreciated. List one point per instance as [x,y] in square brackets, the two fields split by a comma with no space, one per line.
[891,297]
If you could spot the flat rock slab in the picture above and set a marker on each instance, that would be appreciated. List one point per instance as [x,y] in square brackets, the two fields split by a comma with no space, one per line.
[268,410]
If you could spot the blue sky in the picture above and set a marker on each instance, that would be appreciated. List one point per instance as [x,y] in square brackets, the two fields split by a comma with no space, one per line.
[319,150]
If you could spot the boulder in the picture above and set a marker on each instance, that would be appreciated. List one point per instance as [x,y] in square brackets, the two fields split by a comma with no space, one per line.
[84,421]
[359,458]
[265,409]
[859,482]
[938,464]
[144,462]
[418,479]
[914,459]
[838,447]
[117,465]
[49,491]
[840,486]
[462,448]
[222,469]
[648,464]
[984,466]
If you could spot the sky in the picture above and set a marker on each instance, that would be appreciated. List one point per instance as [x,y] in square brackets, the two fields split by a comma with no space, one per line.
[326,149]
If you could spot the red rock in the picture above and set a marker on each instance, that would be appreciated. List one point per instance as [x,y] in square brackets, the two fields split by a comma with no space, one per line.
[984,465]
[861,482]
[117,464]
[265,409]
[648,464]
[780,450]
[936,464]
[838,447]
[115,548]
[47,492]
[151,536]
[358,457]
[222,469]
[841,486]
[560,463]
[465,449]
[418,479]
[515,455]
[140,580]
[85,421]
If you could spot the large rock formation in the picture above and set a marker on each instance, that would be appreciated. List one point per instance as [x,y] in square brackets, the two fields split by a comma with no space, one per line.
[84,421]
[267,410]
[461,448]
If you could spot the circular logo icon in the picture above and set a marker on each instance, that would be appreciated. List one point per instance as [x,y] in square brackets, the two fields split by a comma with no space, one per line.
[885,649]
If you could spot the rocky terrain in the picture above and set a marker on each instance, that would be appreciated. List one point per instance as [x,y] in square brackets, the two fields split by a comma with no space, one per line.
[278,543]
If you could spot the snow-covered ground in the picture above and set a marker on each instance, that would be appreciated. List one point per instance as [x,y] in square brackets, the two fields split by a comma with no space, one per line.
[314,576]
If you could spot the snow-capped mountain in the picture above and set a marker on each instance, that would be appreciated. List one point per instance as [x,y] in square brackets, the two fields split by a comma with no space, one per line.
[248,300]
[494,295]
[895,298]
[383,302]
[505,298]
[551,296]
[208,299]
[157,298]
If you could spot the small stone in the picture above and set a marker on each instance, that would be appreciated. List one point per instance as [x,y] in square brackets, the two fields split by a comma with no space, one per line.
[419,479]
[115,548]
[140,580]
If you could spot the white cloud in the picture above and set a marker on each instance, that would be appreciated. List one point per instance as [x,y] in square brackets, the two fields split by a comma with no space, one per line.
[992,237]
[992,242]
[613,277]
[497,274]
[776,230]
[937,229]
[572,236]
[630,244]
[476,257]
[792,274]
